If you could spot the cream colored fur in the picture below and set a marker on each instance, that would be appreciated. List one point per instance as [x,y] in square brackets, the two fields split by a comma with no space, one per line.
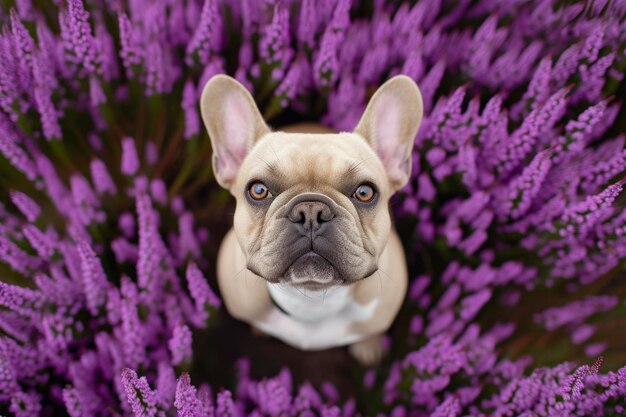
[309,158]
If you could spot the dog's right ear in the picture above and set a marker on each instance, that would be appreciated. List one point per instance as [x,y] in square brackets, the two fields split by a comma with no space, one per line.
[390,123]
[234,124]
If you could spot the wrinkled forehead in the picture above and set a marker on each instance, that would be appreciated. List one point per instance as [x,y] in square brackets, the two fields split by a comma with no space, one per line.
[314,160]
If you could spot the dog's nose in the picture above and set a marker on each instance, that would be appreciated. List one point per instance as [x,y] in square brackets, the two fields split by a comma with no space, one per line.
[310,216]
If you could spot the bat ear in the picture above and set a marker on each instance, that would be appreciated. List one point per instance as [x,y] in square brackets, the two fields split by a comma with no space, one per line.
[390,123]
[233,122]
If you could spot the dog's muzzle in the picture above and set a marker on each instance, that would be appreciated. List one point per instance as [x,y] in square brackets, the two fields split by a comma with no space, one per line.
[310,216]
[311,213]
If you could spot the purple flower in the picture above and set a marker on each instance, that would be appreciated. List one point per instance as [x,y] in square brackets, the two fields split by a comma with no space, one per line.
[131,49]
[23,301]
[346,104]
[55,188]
[57,287]
[180,345]
[108,55]
[16,156]
[594,78]
[78,36]
[153,265]
[8,383]
[295,81]
[24,9]
[151,153]
[141,398]
[575,382]
[536,124]
[471,305]
[43,99]
[25,404]
[124,250]
[449,408]
[538,88]
[155,70]
[578,132]
[580,217]
[225,406]
[505,200]
[187,403]
[566,64]
[414,65]
[95,142]
[130,161]
[166,385]
[215,66]
[594,349]
[101,178]
[602,171]
[126,224]
[86,203]
[326,64]
[374,63]
[158,191]
[484,41]
[207,37]
[522,190]
[96,94]
[200,291]
[274,43]
[188,243]
[340,20]
[94,280]
[582,333]
[26,205]
[24,48]
[189,105]
[576,311]
[308,22]
[593,43]
[76,405]
[41,242]
[133,335]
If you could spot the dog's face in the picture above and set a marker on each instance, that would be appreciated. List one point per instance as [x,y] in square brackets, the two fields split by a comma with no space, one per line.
[312,209]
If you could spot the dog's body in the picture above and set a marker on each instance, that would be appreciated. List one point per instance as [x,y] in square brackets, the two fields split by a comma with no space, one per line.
[309,319]
[310,260]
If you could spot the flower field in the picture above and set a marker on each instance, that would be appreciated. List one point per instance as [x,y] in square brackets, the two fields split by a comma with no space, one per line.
[513,220]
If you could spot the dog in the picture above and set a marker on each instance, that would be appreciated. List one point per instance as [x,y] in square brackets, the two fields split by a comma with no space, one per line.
[312,258]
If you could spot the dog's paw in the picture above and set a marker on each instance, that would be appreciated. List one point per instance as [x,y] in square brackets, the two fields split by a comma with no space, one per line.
[368,351]
[256,332]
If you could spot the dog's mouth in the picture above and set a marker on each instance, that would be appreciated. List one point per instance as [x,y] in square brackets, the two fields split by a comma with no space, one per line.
[312,271]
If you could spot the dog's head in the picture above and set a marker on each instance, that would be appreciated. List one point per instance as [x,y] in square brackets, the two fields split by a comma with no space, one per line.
[312,209]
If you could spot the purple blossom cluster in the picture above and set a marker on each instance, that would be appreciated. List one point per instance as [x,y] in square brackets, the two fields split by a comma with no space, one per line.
[515,197]
[71,322]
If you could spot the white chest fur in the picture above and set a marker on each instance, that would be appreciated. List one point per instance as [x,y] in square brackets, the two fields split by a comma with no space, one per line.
[314,319]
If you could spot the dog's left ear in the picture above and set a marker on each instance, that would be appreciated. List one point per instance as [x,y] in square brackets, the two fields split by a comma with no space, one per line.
[234,124]
[390,123]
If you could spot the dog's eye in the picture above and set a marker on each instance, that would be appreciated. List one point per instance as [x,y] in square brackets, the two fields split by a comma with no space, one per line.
[364,193]
[258,191]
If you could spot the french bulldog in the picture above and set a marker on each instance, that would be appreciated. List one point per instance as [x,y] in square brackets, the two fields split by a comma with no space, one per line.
[312,258]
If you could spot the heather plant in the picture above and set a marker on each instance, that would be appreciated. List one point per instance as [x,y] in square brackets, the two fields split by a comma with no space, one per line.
[513,219]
